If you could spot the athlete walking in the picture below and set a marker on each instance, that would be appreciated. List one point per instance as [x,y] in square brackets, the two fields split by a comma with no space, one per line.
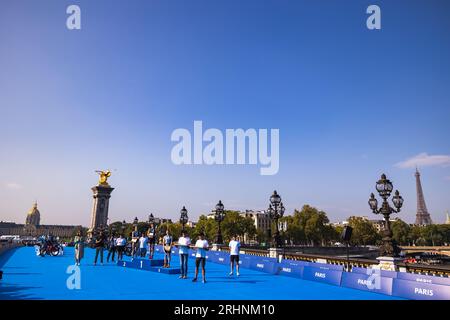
[200,257]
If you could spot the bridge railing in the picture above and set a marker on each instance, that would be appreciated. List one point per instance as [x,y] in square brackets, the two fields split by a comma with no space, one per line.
[430,270]
[352,262]
[5,246]
[348,264]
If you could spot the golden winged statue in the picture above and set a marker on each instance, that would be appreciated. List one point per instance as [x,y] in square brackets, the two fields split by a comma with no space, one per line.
[103,177]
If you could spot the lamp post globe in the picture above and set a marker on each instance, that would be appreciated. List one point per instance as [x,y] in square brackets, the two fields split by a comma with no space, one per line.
[384,187]
[397,200]
[373,202]
[275,198]
[219,215]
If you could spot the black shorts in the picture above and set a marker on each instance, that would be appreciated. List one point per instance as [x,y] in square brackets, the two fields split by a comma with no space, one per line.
[151,240]
[198,260]
[234,258]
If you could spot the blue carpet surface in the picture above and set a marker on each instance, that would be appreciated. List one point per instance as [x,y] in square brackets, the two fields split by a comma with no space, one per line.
[27,276]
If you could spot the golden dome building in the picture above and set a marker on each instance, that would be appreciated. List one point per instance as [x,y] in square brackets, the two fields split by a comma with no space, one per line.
[34,216]
[34,228]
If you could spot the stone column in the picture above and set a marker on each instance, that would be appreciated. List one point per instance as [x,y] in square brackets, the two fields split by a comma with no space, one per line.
[276,253]
[100,206]
[388,263]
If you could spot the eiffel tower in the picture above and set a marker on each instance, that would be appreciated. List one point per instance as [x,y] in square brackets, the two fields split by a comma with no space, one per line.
[422,216]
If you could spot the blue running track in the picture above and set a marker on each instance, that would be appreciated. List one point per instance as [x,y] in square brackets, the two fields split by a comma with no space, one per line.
[27,276]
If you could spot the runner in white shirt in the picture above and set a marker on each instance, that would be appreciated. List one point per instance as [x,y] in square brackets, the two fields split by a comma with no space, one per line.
[235,246]
[200,257]
[143,245]
[183,249]
[120,246]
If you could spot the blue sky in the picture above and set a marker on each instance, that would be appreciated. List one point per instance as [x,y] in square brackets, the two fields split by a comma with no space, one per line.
[350,103]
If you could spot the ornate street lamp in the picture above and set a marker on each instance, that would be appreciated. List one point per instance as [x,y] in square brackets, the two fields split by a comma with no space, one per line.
[219,215]
[123,226]
[276,211]
[135,237]
[183,217]
[384,187]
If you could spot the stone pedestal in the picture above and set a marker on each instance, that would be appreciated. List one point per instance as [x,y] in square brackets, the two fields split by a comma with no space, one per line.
[276,253]
[216,247]
[100,206]
[388,263]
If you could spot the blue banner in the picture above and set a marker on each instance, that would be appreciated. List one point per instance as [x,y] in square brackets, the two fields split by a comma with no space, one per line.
[291,269]
[218,257]
[373,282]
[384,273]
[322,275]
[326,266]
[244,261]
[420,291]
[297,262]
[359,270]
[269,265]
[423,278]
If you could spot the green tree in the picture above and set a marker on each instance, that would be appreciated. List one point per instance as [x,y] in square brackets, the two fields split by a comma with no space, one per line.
[417,235]
[235,224]
[314,223]
[434,234]
[431,235]
[294,233]
[123,229]
[174,229]
[207,226]
[263,238]
[401,232]
[76,230]
[364,232]
[309,226]
[444,230]
[331,235]
[338,231]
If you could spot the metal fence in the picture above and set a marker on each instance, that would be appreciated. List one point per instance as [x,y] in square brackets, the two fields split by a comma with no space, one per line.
[348,264]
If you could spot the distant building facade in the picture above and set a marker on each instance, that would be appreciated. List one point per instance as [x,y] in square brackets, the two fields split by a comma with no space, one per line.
[378,224]
[191,224]
[33,227]
[261,219]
